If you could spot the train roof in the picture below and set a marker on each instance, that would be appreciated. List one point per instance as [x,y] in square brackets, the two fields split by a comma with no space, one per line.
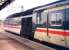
[30,11]
[46,6]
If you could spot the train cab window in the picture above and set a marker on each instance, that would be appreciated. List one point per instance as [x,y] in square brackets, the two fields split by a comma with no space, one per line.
[56,20]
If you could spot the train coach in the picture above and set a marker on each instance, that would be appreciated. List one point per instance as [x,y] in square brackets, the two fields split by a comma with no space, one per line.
[48,23]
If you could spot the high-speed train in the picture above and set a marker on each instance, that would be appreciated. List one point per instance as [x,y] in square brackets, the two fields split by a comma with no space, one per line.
[48,23]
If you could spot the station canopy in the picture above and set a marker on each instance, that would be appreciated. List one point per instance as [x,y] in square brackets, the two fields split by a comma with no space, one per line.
[4,3]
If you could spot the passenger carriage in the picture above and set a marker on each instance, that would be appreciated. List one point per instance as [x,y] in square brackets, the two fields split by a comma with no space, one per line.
[48,23]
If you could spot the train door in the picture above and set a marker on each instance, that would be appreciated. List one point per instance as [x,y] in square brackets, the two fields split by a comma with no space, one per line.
[26,27]
[41,32]
[56,27]
[44,21]
[67,25]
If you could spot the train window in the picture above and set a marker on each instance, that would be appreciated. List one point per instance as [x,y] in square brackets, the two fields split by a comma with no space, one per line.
[56,19]
[44,16]
[6,21]
[34,18]
[41,19]
[34,21]
[67,19]
[13,21]
[38,20]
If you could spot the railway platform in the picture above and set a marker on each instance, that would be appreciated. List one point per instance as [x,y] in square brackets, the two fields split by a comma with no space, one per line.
[7,43]
[10,41]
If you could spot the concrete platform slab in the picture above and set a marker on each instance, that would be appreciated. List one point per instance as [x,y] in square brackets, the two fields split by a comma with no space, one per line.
[10,44]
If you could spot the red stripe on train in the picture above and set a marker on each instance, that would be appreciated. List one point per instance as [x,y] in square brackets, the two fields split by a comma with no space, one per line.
[54,32]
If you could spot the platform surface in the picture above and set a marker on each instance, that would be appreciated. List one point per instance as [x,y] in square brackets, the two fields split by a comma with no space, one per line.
[7,43]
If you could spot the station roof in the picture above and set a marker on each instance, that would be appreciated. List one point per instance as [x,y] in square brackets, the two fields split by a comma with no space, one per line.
[27,12]
[4,3]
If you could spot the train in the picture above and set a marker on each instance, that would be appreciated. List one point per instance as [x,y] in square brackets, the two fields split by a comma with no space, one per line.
[48,23]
